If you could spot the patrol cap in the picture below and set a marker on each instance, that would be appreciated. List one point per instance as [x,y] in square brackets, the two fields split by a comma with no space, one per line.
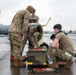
[30,8]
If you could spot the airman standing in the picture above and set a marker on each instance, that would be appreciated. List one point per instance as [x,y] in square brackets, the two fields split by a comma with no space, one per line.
[18,35]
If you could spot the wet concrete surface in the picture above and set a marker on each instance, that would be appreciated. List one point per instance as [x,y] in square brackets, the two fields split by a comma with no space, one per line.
[7,69]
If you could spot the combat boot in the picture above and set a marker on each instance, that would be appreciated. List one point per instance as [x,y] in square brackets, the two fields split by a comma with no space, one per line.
[11,59]
[54,65]
[19,63]
[68,64]
[23,58]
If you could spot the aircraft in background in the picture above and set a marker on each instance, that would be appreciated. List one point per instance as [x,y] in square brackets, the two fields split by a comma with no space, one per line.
[4,29]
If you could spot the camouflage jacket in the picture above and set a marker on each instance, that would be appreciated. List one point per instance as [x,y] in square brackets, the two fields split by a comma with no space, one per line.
[34,34]
[20,22]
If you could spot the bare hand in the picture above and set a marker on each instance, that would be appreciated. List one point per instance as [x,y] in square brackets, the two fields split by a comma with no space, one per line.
[22,38]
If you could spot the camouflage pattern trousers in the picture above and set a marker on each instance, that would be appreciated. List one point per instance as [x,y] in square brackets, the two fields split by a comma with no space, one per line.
[55,53]
[16,45]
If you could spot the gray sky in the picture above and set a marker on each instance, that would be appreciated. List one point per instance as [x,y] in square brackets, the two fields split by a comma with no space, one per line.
[60,11]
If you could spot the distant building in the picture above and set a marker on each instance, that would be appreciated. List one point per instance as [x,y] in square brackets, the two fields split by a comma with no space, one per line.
[46,32]
[4,29]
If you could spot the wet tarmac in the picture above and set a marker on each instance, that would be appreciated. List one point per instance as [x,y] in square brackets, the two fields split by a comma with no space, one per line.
[7,69]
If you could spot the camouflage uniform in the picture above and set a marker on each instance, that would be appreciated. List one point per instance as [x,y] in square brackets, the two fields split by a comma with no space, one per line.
[65,42]
[17,29]
[55,52]
[65,46]
[34,36]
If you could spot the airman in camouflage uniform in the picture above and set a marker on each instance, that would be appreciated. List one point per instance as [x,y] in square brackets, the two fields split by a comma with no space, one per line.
[65,46]
[18,34]
[35,34]
[35,19]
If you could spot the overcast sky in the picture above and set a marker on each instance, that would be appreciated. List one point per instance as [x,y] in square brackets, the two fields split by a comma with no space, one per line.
[60,11]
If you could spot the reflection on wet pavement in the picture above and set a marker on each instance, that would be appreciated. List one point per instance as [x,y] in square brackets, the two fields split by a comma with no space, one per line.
[7,69]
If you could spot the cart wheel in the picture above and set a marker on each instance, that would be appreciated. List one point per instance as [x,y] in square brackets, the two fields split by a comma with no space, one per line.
[30,69]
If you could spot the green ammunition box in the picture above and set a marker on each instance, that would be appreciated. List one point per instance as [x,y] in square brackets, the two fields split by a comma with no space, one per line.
[37,57]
